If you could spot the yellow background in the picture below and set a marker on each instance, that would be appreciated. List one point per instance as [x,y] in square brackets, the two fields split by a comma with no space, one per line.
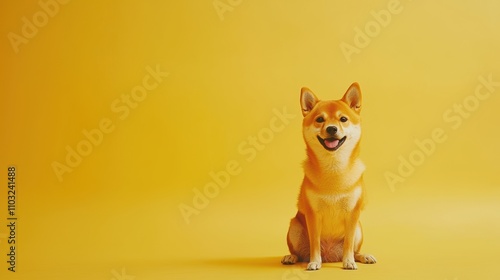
[117,212]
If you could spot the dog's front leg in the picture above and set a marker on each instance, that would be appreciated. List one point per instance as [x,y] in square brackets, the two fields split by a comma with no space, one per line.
[313,221]
[351,222]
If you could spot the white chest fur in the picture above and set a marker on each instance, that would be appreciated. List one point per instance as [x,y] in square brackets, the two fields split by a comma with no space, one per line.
[333,202]
[333,209]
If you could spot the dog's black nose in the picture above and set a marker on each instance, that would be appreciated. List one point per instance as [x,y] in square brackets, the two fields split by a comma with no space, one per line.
[331,130]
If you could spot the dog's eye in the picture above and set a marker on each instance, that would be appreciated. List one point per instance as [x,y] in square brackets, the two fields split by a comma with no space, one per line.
[343,119]
[320,119]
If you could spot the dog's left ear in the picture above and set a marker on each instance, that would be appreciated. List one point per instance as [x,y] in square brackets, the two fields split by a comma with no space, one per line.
[353,97]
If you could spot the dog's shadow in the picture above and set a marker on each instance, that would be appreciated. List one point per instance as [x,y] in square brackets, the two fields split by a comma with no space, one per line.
[261,262]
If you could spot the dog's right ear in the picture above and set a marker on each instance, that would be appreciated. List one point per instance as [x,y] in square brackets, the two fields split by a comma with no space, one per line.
[307,100]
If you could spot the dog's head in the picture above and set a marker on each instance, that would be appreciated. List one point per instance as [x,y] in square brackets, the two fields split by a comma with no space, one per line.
[332,126]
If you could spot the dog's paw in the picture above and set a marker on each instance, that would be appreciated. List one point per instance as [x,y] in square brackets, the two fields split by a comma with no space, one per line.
[289,259]
[368,259]
[313,266]
[349,264]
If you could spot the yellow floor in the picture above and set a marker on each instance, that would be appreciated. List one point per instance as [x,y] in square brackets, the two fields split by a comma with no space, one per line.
[413,236]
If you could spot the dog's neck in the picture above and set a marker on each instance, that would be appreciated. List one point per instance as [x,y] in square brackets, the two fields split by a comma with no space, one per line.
[339,169]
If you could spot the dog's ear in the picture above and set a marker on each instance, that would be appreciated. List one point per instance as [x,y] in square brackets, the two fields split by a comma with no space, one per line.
[307,100]
[353,97]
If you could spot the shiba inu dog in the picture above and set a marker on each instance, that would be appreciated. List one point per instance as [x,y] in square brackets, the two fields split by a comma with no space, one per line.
[326,227]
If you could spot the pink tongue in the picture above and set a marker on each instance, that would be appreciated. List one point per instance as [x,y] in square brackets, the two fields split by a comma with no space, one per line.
[331,144]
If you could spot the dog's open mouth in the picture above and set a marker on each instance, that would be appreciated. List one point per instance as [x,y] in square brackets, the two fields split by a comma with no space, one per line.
[331,144]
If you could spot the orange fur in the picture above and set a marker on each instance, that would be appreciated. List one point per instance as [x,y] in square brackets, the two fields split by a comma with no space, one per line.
[326,227]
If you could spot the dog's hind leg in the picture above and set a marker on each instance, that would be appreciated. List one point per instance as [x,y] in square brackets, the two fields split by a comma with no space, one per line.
[298,241]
